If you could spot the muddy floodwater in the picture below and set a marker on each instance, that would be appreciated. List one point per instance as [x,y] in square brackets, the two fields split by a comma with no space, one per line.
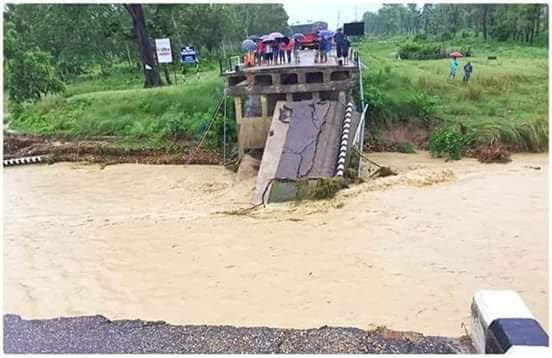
[168,243]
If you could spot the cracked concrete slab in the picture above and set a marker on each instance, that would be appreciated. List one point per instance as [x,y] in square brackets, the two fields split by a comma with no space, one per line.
[303,142]
[272,151]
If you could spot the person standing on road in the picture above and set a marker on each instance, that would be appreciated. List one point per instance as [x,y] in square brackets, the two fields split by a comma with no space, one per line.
[276,51]
[453,67]
[260,52]
[289,48]
[468,69]
[323,46]
[296,49]
[282,50]
[328,48]
[268,53]
[346,51]
[317,49]
[340,44]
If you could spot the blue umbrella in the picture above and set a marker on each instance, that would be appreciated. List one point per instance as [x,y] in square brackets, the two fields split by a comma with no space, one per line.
[248,45]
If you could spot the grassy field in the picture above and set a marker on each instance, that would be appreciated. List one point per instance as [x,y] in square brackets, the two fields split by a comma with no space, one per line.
[118,106]
[505,101]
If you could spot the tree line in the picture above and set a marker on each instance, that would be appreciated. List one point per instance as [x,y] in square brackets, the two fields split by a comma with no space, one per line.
[45,44]
[502,22]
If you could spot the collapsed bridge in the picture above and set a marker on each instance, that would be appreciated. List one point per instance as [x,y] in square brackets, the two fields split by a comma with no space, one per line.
[299,118]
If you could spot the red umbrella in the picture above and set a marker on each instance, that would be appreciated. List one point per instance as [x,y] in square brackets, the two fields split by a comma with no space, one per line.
[456,54]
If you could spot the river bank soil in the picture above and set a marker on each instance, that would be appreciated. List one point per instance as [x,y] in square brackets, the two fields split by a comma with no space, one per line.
[170,243]
[105,151]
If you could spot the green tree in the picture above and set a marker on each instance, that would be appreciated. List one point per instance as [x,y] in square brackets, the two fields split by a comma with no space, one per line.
[32,75]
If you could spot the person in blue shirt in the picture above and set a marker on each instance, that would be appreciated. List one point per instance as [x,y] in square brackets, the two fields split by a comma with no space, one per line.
[453,67]
[340,46]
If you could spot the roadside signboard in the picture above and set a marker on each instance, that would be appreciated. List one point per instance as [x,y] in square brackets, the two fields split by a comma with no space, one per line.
[163,48]
[188,55]
[354,28]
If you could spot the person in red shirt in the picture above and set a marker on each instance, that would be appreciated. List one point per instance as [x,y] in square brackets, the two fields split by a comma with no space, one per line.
[289,48]
[261,50]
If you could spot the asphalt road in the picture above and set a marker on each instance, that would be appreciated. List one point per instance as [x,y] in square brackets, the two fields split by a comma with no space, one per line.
[97,334]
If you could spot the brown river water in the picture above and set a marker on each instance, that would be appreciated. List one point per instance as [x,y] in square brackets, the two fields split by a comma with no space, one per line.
[165,243]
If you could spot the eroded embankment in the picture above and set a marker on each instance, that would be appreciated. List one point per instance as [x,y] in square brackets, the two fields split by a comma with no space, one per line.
[105,151]
[164,243]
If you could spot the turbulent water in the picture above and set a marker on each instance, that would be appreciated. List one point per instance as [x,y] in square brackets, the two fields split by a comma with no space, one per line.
[170,243]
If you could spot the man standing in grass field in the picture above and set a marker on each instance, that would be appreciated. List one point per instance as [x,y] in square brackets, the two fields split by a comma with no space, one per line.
[468,69]
[453,67]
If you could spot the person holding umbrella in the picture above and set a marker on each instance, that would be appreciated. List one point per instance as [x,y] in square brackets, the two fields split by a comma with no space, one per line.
[276,51]
[282,50]
[325,45]
[261,48]
[269,51]
[453,67]
[297,46]
[249,47]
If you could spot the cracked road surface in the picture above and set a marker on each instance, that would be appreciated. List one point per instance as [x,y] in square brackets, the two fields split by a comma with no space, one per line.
[97,334]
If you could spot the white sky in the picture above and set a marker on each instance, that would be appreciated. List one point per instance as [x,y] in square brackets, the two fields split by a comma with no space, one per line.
[304,11]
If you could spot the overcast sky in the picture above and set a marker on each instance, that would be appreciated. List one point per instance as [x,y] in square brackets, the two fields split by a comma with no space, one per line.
[303,11]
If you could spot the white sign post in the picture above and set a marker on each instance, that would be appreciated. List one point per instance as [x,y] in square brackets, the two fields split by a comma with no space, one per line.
[163,48]
[164,53]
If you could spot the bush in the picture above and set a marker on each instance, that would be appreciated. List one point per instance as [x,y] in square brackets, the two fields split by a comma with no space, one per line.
[32,76]
[416,51]
[473,93]
[451,142]
[494,154]
[374,98]
[406,147]
[423,105]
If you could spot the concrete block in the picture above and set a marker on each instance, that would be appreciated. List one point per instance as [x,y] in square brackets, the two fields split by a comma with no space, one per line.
[500,319]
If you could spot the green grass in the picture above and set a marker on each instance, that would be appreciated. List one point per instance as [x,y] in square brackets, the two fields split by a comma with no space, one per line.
[506,100]
[147,117]
[119,78]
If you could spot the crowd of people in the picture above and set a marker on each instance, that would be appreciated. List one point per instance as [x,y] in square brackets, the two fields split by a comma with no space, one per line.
[277,52]
[286,50]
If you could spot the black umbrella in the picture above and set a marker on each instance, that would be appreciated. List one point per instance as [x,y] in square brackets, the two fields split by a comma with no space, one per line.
[298,36]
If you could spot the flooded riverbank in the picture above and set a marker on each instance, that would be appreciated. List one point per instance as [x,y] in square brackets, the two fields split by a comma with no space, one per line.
[164,243]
